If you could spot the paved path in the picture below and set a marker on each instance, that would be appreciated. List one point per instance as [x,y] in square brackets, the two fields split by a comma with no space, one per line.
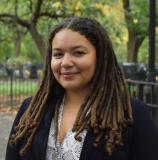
[5,126]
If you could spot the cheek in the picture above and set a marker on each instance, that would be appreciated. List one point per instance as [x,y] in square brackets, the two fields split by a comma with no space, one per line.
[88,70]
[92,70]
[55,66]
[91,65]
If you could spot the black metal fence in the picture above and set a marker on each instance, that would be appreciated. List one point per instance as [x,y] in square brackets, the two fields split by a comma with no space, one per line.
[145,91]
[17,83]
[14,91]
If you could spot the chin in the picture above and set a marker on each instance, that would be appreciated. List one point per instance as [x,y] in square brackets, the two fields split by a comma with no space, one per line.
[70,87]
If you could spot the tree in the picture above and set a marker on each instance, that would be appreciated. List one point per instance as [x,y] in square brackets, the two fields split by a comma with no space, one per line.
[35,12]
[37,17]
[30,14]
[136,17]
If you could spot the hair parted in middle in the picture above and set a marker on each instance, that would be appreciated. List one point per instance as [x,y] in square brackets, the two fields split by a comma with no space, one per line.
[106,110]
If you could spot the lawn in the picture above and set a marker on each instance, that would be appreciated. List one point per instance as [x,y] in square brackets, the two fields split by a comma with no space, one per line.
[18,87]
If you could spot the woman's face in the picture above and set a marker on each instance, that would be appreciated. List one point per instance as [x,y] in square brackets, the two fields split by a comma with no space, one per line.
[73,60]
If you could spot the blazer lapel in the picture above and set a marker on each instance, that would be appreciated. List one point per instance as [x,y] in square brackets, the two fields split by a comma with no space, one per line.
[87,145]
[92,153]
[41,138]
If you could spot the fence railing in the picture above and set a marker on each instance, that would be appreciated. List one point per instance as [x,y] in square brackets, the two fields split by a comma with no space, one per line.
[145,91]
[148,93]
[13,91]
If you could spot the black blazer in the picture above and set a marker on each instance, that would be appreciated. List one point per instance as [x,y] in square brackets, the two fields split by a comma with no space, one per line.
[140,139]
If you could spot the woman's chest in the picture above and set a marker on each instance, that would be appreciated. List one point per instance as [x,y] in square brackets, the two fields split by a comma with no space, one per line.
[68,149]
[42,145]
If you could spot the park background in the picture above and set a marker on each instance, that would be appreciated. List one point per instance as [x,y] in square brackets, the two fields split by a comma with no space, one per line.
[24,29]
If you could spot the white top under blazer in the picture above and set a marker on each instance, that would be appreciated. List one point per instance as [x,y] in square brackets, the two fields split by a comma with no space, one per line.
[69,149]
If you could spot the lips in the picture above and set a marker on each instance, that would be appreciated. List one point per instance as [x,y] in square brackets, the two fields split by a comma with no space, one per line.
[68,74]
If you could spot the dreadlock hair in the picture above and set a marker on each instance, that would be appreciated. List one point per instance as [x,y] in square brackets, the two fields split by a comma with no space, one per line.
[106,110]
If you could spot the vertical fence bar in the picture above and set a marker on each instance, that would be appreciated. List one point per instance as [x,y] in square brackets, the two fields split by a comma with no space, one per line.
[11,89]
[140,91]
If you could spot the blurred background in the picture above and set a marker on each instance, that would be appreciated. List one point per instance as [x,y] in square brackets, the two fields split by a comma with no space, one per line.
[26,24]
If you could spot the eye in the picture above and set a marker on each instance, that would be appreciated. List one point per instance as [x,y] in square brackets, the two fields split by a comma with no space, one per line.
[79,53]
[57,55]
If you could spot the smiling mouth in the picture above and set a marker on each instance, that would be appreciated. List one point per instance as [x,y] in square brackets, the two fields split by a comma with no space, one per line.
[69,74]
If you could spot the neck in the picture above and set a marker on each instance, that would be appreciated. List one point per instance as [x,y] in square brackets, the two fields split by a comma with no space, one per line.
[75,98]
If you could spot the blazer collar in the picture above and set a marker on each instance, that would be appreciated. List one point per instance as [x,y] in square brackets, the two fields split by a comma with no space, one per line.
[46,122]
[87,145]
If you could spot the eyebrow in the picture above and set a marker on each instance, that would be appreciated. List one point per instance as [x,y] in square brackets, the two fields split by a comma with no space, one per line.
[73,48]
[78,46]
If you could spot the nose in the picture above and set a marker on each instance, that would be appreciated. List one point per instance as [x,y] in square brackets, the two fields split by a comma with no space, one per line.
[67,61]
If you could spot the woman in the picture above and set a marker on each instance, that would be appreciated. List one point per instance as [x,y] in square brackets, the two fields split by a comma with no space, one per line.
[82,109]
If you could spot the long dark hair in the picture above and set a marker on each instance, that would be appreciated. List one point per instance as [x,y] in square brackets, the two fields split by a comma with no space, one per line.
[107,109]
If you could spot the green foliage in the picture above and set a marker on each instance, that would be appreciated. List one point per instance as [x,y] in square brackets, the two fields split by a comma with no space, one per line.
[6,44]
[143,52]
[15,62]
[139,12]
[110,13]
[29,50]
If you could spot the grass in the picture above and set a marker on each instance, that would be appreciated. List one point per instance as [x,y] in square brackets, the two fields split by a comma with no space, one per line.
[18,87]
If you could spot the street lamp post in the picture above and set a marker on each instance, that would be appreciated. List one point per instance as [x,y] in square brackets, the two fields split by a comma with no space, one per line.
[152,25]
[151,60]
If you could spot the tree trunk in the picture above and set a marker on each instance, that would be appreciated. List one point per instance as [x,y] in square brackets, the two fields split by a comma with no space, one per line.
[133,45]
[17,43]
[37,39]
[135,34]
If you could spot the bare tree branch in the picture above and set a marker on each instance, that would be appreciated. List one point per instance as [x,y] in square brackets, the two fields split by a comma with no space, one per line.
[4,21]
[14,18]
[30,23]
[35,15]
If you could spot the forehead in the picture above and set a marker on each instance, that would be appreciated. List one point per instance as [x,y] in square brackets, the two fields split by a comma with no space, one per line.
[68,37]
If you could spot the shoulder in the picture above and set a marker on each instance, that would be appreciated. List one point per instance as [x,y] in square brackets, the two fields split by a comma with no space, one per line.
[22,109]
[141,115]
[140,110]
[13,152]
[24,105]
[138,105]
[145,133]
